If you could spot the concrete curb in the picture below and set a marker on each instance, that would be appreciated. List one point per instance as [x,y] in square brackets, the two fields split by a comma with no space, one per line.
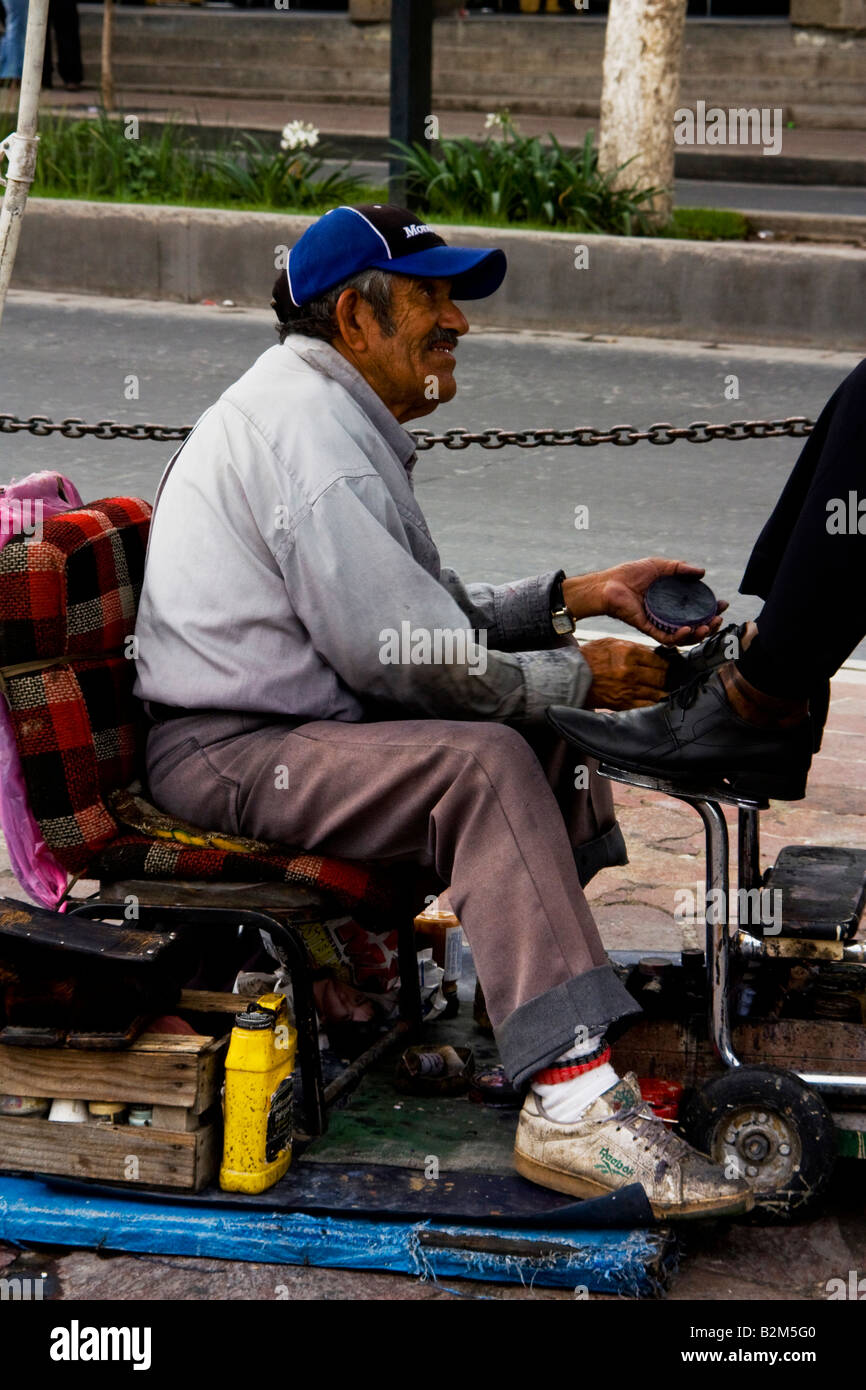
[809,296]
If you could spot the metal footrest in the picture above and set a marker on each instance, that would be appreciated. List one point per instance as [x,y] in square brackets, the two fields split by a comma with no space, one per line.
[823,891]
[686,791]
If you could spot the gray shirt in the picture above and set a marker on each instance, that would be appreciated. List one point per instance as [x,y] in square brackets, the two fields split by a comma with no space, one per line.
[290,570]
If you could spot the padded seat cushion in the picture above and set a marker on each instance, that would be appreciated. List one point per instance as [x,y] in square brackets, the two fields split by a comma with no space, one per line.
[67,607]
[67,611]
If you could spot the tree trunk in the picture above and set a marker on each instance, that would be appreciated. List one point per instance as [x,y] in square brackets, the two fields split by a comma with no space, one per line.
[107,75]
[640,84]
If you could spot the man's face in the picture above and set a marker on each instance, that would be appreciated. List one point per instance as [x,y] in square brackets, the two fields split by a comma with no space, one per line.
[412,370]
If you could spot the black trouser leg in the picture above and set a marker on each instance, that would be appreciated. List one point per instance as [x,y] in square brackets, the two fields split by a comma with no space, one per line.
[809,563]
[63,16]
[47,60]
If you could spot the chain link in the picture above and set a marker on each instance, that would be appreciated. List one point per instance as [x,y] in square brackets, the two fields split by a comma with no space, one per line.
[75,428]
[699,432]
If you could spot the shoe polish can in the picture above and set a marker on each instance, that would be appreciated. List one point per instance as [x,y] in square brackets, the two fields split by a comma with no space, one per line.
[107,1112]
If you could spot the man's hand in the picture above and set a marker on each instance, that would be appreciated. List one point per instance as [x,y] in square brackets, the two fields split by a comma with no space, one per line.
[625,675]
[619,593]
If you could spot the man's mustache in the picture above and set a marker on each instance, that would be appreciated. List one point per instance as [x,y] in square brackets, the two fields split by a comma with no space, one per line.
[443,335]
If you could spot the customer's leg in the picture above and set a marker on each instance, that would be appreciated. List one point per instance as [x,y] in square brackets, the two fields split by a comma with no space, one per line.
[809,562]
[468,799]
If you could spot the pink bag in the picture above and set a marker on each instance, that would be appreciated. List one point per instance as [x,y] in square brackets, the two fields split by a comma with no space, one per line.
[26,506]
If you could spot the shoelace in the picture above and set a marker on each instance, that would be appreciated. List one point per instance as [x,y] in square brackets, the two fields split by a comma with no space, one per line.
[639,1119]
[685,697]
[710,648]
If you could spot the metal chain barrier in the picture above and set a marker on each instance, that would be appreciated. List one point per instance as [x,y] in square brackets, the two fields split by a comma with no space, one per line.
[700,432]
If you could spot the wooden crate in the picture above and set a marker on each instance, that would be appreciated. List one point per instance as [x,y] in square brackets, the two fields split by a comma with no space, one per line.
[146,1157]
[175,1069]
[179,1075]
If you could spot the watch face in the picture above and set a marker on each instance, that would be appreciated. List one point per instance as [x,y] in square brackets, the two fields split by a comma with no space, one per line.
[563,622]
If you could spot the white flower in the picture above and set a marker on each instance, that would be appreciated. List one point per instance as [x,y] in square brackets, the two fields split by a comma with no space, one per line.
[299,135]
[499,120]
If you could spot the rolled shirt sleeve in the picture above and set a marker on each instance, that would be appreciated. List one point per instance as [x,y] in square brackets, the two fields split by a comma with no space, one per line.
[375,615]
[516,615]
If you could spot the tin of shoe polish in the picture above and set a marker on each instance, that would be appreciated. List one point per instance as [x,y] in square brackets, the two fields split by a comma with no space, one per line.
[676,601]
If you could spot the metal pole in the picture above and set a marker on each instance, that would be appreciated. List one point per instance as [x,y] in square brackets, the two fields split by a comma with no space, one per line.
[718,936]
[20,147]
[411,83]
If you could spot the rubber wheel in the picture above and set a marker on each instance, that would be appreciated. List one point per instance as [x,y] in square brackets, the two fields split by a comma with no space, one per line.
[766,1125]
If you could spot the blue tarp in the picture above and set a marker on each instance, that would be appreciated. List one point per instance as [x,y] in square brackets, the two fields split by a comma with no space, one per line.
[619,1262]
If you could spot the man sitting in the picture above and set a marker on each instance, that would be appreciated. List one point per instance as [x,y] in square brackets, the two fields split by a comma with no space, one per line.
[317,678]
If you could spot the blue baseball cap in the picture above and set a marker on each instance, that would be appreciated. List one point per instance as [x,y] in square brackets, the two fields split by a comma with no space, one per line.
[378,236]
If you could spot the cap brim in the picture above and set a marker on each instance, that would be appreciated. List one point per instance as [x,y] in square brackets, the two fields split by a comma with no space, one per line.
[473,274]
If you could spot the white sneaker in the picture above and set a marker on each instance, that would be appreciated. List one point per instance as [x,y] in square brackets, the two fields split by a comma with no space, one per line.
[617,1141]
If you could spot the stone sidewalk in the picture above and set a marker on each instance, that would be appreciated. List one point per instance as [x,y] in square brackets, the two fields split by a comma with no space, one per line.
[634,907]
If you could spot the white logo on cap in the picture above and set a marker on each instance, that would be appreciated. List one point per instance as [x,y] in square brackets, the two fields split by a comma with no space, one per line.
[416,228]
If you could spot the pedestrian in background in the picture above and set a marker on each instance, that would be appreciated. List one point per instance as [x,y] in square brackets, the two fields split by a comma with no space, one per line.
[63,19]
[12,43]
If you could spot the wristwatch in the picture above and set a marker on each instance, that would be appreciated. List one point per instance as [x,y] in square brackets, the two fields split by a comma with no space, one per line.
[563,622]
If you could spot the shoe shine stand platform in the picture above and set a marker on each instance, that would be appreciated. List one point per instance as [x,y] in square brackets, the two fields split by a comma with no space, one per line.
[760,1029]
[768,1035]
[423,1185]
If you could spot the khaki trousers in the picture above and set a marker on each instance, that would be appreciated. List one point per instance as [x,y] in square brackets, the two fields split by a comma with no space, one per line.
[493,810]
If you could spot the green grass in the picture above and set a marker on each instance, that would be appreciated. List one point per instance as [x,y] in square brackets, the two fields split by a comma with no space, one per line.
[367,195]
[707,224]
[94,158]
[693,224]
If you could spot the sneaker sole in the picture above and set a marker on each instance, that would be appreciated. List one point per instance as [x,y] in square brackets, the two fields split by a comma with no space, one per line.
[574,1186]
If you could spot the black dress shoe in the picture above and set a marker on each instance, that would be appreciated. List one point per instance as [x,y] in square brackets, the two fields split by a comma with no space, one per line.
[707,656]
[695,736]
[723,646]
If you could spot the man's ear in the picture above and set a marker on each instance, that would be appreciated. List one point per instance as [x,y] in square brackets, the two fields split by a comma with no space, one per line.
[354,318]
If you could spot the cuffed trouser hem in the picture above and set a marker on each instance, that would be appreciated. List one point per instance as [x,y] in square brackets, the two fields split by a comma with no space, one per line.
[604,852]
[543,1028]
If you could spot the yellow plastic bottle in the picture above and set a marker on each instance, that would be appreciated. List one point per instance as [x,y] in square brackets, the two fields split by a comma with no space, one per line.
[257,1144]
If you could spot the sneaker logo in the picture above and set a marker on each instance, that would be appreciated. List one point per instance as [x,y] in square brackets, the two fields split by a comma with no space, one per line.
[623,1095]
[612,1165]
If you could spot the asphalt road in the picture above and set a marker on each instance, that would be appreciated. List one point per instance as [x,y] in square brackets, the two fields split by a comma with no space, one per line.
[496,515]
[713,193]
[770,197]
